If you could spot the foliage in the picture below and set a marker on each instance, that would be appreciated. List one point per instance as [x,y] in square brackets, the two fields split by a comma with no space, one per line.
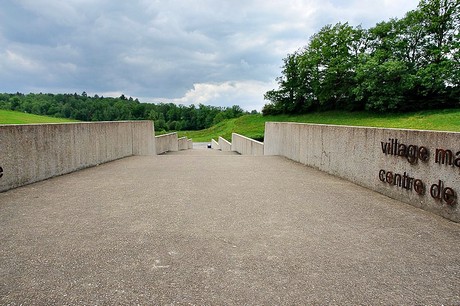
[166,116]
[404,64]
[253,126]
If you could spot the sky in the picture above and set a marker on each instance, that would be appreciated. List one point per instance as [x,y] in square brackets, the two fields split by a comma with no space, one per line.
[214,52]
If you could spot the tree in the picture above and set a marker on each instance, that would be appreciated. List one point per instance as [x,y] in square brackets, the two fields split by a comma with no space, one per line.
[398,65]
[288,98]
[332,58]
[160,123]
[167,116]
[384,75]
[321,75]
[383,85]
[440,20]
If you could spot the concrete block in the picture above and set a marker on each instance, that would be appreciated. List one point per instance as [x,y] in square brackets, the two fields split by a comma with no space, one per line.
[246,146]
[183,143]
[215,145]
[166,143]
[143,138]
[224,145]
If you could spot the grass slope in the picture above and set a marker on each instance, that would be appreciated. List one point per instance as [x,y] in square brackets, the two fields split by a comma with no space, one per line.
[253,125]
[12,117]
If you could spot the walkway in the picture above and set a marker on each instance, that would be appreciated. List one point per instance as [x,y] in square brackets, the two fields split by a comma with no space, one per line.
[198,227]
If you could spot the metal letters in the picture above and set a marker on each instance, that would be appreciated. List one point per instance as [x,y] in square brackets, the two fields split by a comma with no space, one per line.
[414,153]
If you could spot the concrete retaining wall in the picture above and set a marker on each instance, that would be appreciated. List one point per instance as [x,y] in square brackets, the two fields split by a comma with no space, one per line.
[419,167]
[246,146]
[166,143]
[224,145]
[183,143]
[214,145]
[30,153]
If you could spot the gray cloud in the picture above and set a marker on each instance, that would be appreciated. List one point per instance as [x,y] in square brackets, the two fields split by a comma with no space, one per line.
[202,51]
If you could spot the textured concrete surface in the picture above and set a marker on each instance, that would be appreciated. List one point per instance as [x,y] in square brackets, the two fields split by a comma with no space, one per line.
[166,143]
[199,229]
[357,154]
[224,144]
[214,144]
[247,146]
[34,152]
[183,143]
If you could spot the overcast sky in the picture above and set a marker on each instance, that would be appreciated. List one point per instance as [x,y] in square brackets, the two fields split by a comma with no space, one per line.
[215,52]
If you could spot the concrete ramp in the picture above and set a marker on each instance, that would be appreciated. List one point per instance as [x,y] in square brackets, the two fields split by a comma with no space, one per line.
[219,229]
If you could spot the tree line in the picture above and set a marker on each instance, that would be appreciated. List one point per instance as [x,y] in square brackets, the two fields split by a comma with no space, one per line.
[405,64]
[166,116]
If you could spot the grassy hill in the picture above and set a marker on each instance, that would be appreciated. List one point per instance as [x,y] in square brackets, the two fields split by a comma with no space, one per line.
[253,125]
[12,117]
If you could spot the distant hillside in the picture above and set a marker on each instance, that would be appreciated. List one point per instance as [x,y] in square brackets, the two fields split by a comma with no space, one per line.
[253,125]
[12,117]
[167,116]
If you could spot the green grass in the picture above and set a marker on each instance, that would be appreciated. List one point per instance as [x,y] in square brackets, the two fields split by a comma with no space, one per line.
[253,125]
[12,117]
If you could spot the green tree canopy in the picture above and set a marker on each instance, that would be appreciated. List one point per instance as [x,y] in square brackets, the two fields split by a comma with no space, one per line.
[398,65]
[166,116]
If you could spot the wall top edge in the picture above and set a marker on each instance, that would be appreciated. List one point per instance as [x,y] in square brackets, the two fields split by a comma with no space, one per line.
[224,140]
[253,140]
[75,123]
[364,127]
[165,135]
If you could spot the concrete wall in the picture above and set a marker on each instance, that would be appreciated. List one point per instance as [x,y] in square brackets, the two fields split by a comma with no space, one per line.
[357,154]
[214,145]
[183,143]
[30,153]
[246,146]
[224,145]
[190,144]
[166,143]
